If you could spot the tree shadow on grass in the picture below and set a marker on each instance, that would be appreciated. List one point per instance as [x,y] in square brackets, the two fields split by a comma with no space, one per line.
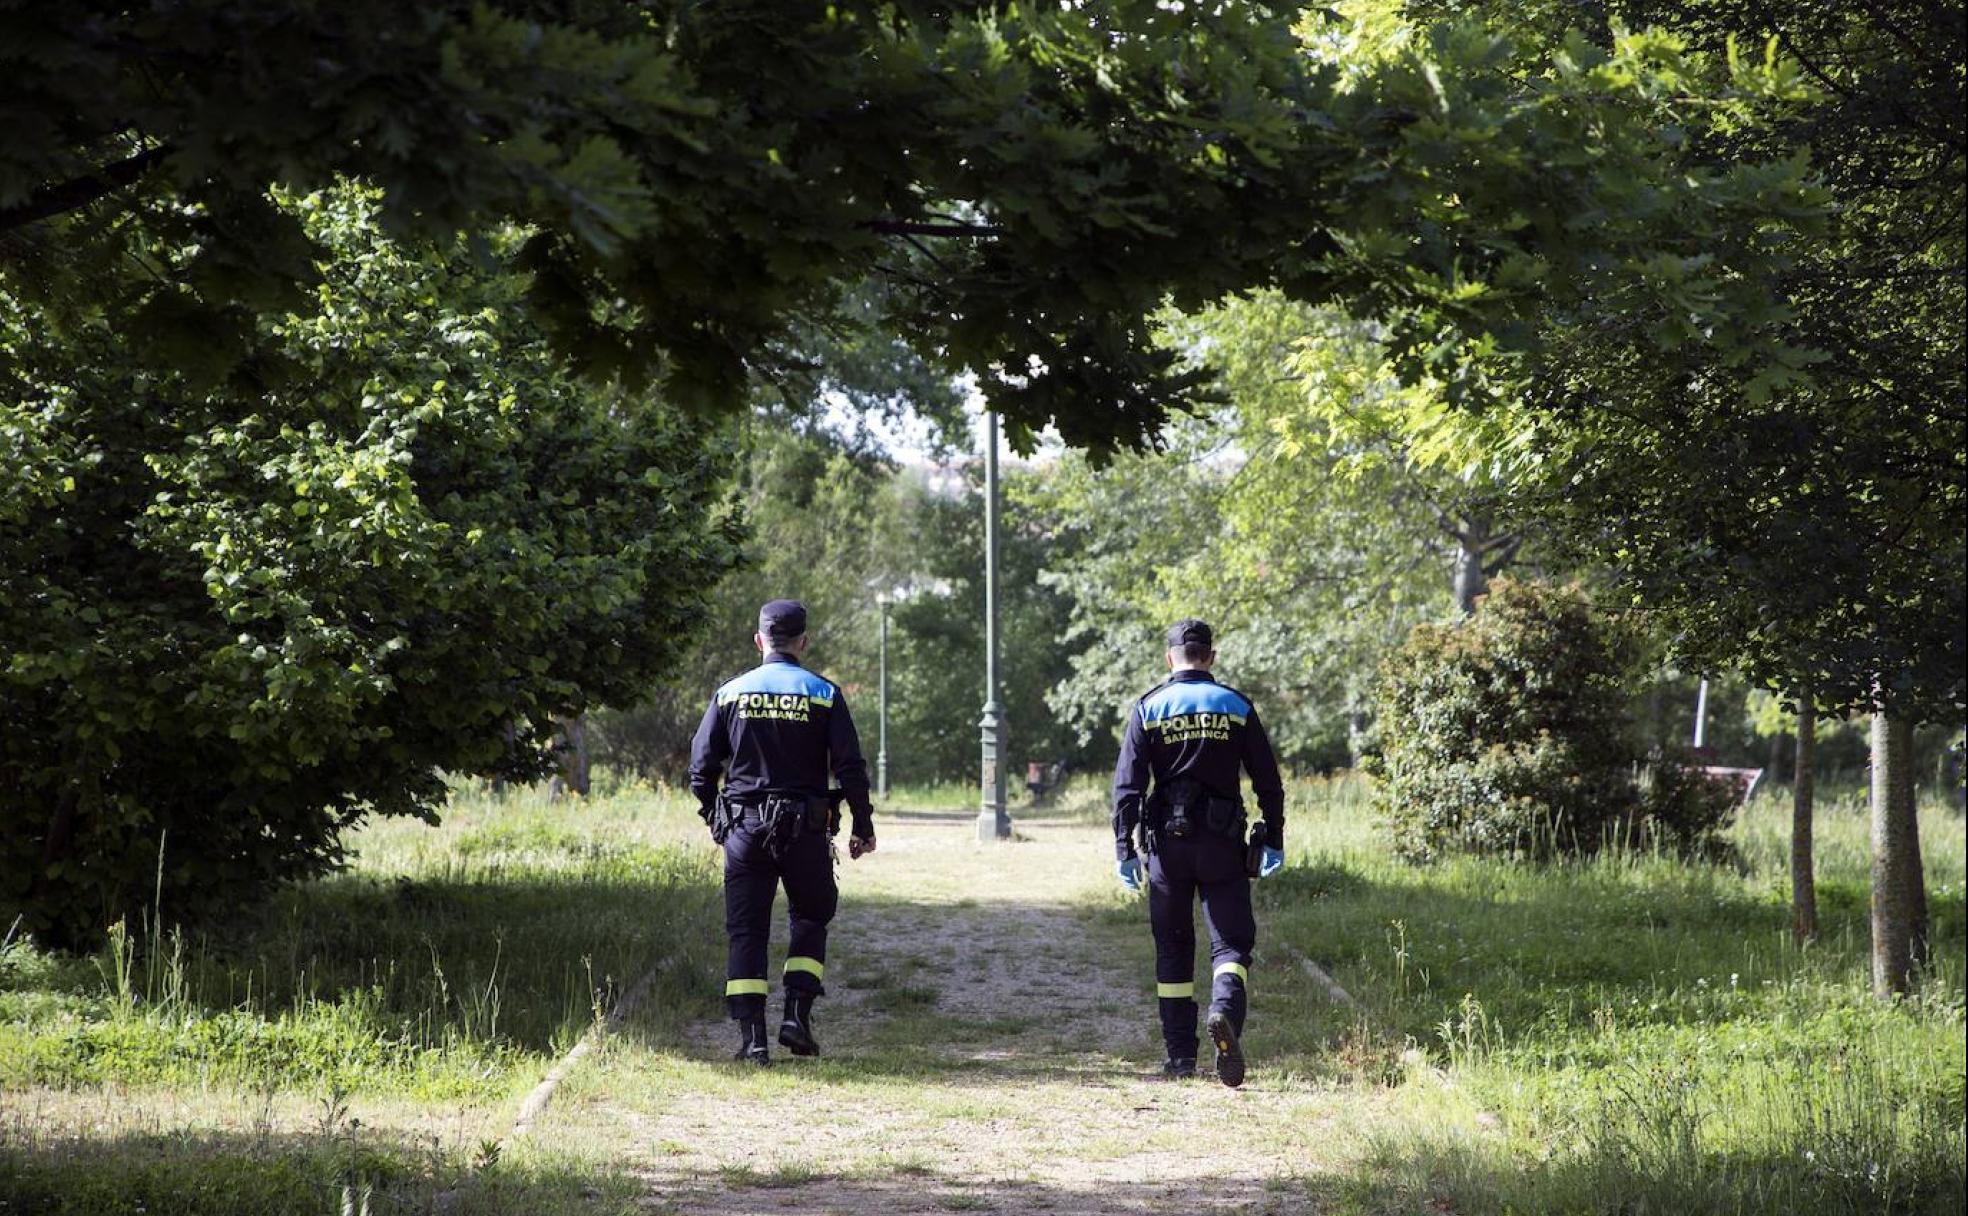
[1474,1175]
[1436,1180]
[207,1173]
[930,1188]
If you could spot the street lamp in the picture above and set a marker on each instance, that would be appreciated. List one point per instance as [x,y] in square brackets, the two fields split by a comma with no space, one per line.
[881,753]
[992,821]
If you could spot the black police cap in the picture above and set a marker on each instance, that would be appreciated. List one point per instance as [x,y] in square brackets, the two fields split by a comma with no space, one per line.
[1191,632]
[783,620]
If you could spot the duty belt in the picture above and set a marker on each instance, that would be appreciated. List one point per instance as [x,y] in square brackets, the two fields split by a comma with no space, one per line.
[783,818]
[1183,808]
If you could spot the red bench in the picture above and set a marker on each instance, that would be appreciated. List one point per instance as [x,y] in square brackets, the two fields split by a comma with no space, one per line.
[1743,780]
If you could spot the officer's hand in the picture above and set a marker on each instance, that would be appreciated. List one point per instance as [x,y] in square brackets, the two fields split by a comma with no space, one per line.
[1274,861]
[1129,872]
[858,846]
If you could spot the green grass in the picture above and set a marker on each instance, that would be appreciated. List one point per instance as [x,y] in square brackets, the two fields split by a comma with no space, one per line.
[1625,1034]
[1620,1035]
[447,969]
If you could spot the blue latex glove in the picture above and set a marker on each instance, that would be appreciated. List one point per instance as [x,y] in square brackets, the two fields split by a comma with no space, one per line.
[1274,861]
[1129,872]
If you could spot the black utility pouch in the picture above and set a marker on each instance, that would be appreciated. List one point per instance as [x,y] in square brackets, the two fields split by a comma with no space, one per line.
[1224,817]
[1184,810]
[816,814]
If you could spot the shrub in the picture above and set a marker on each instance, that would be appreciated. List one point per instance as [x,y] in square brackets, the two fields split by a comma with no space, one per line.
[239,617]
[1684,809]
[1508,733]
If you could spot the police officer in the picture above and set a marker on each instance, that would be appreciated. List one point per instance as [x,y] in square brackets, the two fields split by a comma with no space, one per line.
[774,734]
[1190,735]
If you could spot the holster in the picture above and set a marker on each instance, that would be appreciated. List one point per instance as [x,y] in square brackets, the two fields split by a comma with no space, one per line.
[786,819]
[723,817]
[1254,851]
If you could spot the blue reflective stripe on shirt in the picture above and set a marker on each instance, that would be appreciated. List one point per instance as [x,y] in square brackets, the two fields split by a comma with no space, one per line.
[1178,700]
[778,679]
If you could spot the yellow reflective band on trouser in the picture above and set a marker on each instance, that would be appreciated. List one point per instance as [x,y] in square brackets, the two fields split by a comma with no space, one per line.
[1236,969]
[1175,990]
[812,966]
[746,987]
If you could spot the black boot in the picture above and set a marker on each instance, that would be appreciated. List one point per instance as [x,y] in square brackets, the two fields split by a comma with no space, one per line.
[1229,1052]
[796,1029]
[753,1050]
[1179,1068]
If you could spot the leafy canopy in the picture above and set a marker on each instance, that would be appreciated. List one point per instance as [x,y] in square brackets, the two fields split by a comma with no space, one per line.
[1034,182]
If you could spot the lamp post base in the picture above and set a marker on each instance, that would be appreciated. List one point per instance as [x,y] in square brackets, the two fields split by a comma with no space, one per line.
[992,821]
[993,825]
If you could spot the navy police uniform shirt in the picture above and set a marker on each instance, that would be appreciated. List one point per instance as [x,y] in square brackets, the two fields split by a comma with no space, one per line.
[780,729]
[1192,727]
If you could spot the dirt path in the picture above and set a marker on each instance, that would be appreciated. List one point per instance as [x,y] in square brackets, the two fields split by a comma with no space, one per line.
[990,1046]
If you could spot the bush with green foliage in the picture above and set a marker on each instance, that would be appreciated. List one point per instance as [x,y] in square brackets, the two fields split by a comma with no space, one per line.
[1508,733]
[240,615]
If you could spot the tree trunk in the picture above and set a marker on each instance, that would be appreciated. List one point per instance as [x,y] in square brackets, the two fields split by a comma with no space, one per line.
[1471,582]
[571,750]
[1909,815]
[1356,735]
[1896,878]
[1803,878]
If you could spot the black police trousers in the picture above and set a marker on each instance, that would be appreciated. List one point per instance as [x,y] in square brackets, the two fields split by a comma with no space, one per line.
[1179,870]
[751,882]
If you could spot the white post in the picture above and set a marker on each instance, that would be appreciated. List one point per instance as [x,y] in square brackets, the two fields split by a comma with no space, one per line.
[881,753]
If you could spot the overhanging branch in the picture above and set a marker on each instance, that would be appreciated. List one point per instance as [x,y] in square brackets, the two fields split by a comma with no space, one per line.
[50,201]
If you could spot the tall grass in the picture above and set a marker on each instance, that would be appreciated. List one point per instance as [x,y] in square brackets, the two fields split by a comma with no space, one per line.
[444,961]
[1630,1032]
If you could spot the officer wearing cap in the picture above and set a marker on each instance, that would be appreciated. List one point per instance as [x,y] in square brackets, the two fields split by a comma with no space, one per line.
[1189,736]
[775,734]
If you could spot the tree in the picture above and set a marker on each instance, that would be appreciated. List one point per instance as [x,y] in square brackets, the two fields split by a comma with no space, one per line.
[1803,520]
[823,526]
[237,625]
[1303,603]
[1326,421]
[695,179]
[1899,901]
